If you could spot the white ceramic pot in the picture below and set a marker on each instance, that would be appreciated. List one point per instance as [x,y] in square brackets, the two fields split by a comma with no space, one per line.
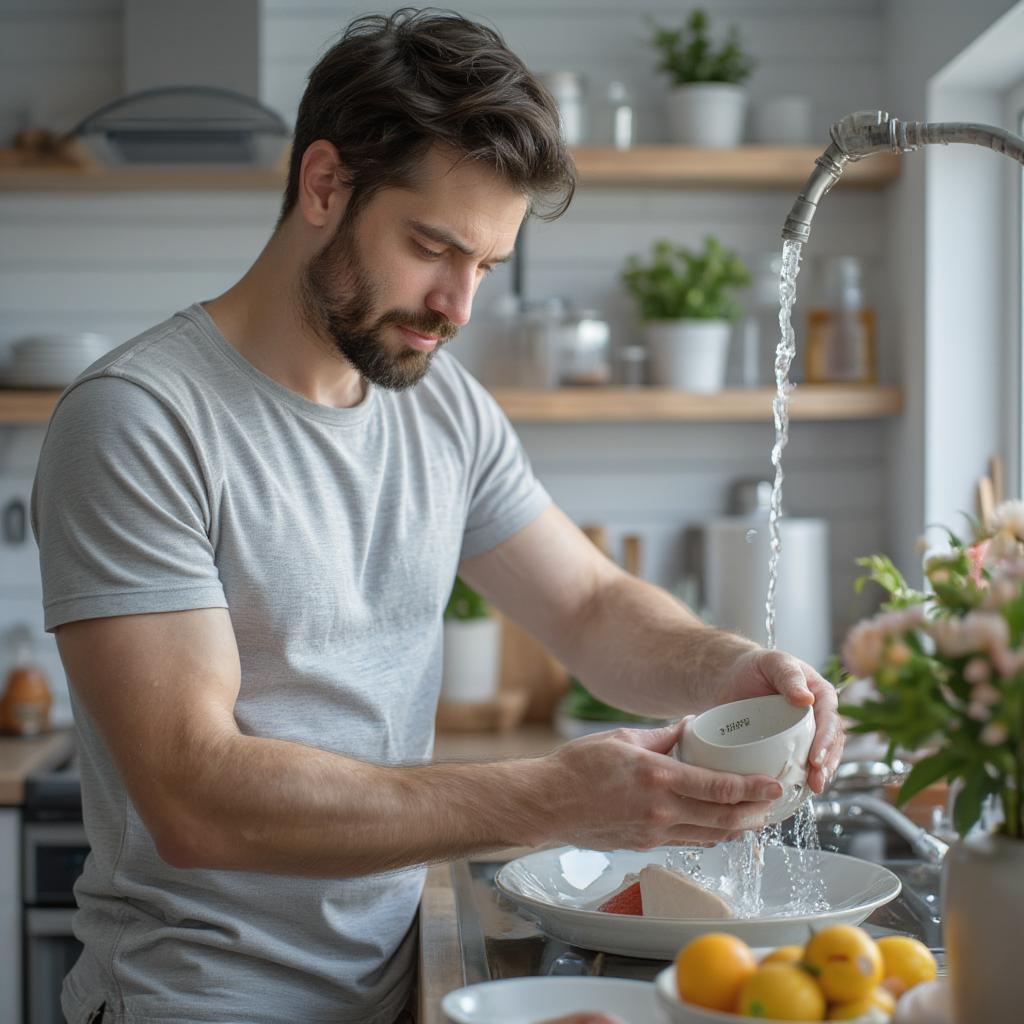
[472,660]
[690,355]
[707,114]
[982,914]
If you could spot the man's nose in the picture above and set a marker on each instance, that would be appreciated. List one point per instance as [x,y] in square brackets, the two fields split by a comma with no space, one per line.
[453,298]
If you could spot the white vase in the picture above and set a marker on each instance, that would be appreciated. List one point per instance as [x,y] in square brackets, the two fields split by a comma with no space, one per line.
[982,917]
[689,355]
[707,114]
[472,660]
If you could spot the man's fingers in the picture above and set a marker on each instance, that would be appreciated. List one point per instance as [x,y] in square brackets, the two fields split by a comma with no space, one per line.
[660,740]
[724,787]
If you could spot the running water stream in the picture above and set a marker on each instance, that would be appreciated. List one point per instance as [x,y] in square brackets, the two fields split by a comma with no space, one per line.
[740,882]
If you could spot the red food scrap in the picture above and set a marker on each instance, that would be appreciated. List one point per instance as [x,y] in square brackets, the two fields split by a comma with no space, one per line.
[625,901]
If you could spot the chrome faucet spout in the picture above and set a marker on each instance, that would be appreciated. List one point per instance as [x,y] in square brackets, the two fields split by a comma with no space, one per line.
[873,131]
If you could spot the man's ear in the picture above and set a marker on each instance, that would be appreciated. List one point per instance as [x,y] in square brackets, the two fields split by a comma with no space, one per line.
[323,193]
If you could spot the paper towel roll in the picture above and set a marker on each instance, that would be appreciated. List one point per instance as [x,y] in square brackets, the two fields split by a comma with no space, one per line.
[736,551]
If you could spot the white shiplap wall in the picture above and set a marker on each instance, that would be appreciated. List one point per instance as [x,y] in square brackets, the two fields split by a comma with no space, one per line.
[117,263]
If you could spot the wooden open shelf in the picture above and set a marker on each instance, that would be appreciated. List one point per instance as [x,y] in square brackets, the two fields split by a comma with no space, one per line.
[622,405]
[742,167]
[678,166]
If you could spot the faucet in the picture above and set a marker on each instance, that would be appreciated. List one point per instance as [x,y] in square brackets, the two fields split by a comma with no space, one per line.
[873,131]
[928,847]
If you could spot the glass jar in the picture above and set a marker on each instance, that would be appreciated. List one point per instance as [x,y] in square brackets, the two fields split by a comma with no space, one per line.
[841,329]
[568,90]
[583,349]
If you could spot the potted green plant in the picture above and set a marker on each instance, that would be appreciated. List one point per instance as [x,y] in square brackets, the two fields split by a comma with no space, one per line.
[708,102]
[686,302]
[472,648]
[948,668]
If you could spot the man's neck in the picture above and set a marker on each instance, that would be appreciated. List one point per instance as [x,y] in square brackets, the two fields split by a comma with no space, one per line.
[261,318]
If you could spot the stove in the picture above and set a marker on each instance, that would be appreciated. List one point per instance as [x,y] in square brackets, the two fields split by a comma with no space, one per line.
[54,849]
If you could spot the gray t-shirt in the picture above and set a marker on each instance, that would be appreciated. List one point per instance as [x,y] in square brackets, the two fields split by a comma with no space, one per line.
[176,475]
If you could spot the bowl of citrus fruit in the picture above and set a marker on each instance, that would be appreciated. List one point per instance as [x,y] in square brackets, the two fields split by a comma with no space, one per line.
[840,974]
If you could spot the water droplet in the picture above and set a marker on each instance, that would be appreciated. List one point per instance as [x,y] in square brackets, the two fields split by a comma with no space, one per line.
[750,536]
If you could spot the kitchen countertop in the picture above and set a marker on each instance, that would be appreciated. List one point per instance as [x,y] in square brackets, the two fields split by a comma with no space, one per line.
[20,756]
[525,741]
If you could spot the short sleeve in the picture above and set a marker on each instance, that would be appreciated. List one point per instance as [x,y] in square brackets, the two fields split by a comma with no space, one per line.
[505,496]
[121,508]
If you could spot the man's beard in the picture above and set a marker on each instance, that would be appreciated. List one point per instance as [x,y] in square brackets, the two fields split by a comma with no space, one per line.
[342,314]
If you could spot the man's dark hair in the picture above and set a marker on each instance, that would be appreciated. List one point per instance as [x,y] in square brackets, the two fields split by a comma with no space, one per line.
[394,86]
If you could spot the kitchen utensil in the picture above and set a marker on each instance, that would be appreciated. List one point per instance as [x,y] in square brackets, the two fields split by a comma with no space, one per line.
[757,736]
[557,887]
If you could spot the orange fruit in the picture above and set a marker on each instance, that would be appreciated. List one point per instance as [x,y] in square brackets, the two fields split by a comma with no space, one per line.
[784,955]
[845,961]
[907,960]
[877,998]
[781,991]
[711,969]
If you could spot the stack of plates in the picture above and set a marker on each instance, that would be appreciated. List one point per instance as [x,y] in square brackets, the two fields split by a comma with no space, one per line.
[52,360]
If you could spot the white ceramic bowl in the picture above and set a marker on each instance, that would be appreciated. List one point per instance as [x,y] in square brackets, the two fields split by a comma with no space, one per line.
[757,736]
[530,1000]
[672,1010]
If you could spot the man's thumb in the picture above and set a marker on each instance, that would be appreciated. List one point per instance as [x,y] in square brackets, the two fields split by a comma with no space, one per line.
[664,738]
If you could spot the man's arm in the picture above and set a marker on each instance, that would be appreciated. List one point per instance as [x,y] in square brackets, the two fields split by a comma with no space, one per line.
[161,689]
[633,644]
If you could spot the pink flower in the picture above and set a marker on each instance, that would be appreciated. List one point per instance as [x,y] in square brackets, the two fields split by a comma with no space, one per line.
[977,670]
[994,734]
[976,556]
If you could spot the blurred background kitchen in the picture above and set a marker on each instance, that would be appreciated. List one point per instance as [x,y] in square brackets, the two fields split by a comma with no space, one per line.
[664,476]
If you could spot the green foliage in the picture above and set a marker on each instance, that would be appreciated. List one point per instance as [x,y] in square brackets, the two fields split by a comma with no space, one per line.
[579,702]
[465,604]
[882,571]
[688,54]
[680,284]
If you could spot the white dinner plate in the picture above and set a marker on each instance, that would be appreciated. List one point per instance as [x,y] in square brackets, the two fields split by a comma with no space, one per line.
[557,887]
[531,1000]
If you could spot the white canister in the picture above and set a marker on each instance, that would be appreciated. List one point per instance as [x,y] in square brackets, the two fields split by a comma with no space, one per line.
[782,120]
[736,552]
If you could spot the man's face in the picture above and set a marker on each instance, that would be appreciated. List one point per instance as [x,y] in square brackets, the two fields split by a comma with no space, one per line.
[398,281]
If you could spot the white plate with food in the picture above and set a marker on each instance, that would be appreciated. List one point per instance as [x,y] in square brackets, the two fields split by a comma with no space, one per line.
[531,1000]
[561,888]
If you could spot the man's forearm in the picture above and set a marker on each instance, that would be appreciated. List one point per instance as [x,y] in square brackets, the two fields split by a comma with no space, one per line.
[270,805]
[640,649]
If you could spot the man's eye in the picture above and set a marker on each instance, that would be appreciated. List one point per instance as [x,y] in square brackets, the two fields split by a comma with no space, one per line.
[424,251]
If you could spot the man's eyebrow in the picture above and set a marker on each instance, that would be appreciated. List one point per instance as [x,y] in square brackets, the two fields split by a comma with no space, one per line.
[443,237]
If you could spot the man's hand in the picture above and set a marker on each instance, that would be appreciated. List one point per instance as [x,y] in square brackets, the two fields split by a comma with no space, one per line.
[623,790]
[758,672]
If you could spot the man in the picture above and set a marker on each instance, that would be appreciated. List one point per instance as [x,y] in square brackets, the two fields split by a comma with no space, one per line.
[250,520]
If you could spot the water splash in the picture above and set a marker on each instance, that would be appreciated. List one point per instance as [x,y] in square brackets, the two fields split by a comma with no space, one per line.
[784,354]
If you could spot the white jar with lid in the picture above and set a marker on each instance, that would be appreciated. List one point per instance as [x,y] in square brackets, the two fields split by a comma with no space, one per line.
[568,90]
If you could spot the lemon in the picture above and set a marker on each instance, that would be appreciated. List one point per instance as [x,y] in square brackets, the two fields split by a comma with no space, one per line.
[907,960]
[711,969]
[876,999]
[845,961]
[781,991]
[784,955]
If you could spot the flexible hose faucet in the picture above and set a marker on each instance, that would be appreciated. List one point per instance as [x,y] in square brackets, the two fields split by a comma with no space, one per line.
[874,131]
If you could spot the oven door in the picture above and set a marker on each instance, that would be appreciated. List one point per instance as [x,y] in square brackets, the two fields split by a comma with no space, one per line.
[51,950]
